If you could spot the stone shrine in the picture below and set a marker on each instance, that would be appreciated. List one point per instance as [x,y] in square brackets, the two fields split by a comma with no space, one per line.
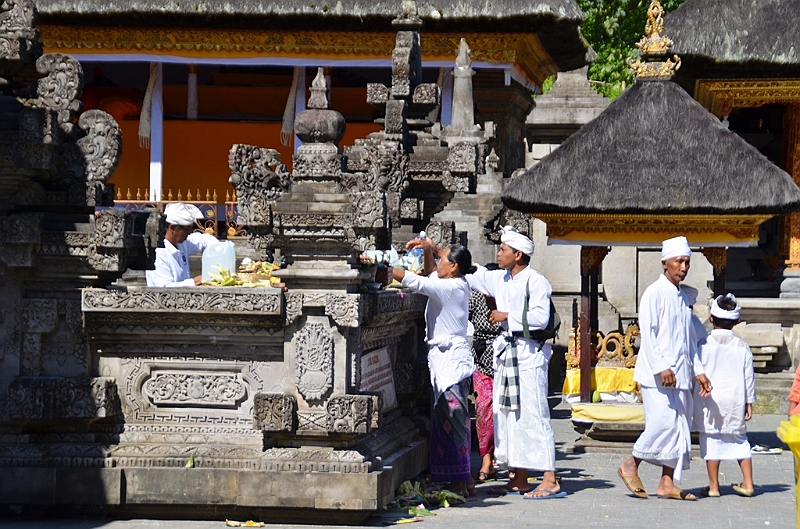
[219,401]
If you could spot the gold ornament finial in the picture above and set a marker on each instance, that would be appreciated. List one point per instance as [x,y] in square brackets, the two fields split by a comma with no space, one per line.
[654,47]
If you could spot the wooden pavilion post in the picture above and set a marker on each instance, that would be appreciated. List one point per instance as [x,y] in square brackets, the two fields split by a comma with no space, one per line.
[591,259]
[791,130]
[718,257]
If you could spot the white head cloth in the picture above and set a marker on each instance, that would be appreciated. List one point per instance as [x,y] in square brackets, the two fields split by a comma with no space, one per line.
[516,240]
[675,247]
[723,314]
[182,214]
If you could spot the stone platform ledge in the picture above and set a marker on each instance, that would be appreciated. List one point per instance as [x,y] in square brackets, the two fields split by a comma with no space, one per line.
[217,300]
[785,311]
[205,492]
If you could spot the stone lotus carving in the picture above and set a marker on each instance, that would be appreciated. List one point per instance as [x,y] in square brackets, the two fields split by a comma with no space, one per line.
[313,361]
[274,412]
[181,389]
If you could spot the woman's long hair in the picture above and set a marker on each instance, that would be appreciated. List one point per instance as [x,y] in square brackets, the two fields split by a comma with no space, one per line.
[460,256]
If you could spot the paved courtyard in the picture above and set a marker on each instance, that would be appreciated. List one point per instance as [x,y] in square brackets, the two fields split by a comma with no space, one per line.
[597,497]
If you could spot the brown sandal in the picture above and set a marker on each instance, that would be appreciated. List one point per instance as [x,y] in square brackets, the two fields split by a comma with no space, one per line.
[483,477]
[634,484]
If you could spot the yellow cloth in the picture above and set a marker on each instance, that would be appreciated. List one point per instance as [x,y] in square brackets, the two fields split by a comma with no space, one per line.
[633,413]
[604,379]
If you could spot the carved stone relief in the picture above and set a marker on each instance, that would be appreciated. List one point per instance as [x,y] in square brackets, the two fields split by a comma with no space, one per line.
[345,309]
[350,413]
[39,315]
[62,398]
[294,306]
[181,300]
[274,412]
[314,350]
[171,388]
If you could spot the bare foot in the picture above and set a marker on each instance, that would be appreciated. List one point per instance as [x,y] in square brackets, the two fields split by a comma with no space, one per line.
[628,468]
[544,490]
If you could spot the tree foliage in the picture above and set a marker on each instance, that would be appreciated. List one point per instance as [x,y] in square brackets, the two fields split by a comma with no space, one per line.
[612,28]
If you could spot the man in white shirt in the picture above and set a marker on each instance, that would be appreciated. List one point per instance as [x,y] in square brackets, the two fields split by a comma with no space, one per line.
[172,261]
[523,435]
[665,366]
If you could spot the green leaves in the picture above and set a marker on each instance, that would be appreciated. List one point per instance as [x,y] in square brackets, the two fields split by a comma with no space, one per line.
[613,27]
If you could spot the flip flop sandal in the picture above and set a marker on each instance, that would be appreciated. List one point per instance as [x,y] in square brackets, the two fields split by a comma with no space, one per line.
[634,484]
[550,494]
[706,491]
[502,491]
[741,491]
[483,477]
[761,449]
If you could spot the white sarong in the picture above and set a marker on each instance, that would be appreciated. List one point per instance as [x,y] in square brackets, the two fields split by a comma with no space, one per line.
[666,440]
[724,447]
[523,438]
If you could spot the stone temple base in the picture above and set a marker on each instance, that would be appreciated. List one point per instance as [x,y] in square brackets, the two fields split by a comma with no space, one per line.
[207,493]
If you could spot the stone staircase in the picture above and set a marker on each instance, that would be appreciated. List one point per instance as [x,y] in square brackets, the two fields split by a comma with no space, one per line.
[471,212]
[772,390]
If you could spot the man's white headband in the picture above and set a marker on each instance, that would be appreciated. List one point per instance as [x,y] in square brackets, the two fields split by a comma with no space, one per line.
[516,240]
[723,314]
[675,247]
[182,214]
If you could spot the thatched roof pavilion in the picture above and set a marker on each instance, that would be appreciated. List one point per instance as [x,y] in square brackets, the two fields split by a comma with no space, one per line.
[653,165]
[654,153]
[555,23]
[745,35]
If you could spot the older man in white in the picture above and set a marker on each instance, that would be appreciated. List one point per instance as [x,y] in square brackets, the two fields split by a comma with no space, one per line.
[665,366]
[172,261]
[523,436]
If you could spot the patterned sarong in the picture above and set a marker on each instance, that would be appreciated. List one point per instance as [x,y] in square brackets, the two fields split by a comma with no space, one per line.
[451,437]
[509,375]
[484,421]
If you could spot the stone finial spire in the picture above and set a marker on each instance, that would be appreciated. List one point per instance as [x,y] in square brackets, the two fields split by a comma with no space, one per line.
[463,115]
[319,91]
[653,63]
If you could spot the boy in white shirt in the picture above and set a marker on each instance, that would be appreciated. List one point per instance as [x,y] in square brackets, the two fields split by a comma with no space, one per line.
[720,417]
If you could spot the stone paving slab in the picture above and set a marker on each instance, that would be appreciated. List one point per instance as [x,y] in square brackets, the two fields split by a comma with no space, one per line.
[597,497]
